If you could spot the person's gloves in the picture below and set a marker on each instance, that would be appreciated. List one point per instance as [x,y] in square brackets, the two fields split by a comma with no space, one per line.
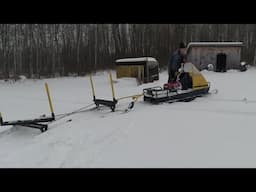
[181,70]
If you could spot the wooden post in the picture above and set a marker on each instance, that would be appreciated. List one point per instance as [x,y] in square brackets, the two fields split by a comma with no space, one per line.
[142,71]
[93,91]
[140,75]
[49,99]
[112,87]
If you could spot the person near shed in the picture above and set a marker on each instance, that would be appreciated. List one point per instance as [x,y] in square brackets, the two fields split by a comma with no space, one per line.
[175,62]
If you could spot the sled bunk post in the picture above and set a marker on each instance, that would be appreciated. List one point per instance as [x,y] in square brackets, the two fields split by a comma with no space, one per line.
[49,100]
[33,123]
[108,103]
[93,91]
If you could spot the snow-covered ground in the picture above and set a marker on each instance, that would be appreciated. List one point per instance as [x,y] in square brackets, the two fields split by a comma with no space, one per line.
[214,131]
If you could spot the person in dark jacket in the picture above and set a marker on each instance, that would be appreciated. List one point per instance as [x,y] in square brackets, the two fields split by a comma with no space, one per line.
[175,62]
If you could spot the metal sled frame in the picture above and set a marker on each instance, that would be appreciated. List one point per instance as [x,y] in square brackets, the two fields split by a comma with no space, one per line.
[108,103]
[157,95]
[112,104]
[33,123]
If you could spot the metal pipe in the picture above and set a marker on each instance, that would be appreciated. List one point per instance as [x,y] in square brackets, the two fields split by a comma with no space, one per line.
[131,96]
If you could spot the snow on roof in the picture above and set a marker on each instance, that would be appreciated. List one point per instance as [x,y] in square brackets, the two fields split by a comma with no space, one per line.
[136,59]
[214,44]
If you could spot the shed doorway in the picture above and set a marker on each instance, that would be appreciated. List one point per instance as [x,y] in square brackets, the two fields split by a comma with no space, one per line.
[221,62]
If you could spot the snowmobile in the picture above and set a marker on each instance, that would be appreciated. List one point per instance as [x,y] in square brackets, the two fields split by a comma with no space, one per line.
[189,84]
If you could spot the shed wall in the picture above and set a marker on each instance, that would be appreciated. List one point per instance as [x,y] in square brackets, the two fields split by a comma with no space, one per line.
[202,56]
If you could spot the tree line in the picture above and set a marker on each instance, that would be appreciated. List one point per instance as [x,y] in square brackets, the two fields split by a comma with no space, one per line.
[49,50]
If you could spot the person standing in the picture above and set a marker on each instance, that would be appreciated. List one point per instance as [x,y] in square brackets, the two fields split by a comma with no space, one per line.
[175,62]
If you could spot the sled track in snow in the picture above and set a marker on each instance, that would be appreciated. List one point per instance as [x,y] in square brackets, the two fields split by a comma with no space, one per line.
[106,113]
[244,113]
[64,118]
[18,130]
[205,99]
[244,100]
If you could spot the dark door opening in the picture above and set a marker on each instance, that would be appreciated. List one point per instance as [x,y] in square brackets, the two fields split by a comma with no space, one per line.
[221,62]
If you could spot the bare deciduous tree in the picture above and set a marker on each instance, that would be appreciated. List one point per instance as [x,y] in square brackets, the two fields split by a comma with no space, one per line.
[38,50]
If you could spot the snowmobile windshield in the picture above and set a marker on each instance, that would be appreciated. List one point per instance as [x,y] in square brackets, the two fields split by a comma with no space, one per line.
[189,67]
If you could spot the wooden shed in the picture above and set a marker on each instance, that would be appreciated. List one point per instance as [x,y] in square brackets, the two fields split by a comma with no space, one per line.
[145,69]
[222,55]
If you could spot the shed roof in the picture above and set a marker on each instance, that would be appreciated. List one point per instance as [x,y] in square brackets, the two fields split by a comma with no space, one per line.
[211,44]
[138,59]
